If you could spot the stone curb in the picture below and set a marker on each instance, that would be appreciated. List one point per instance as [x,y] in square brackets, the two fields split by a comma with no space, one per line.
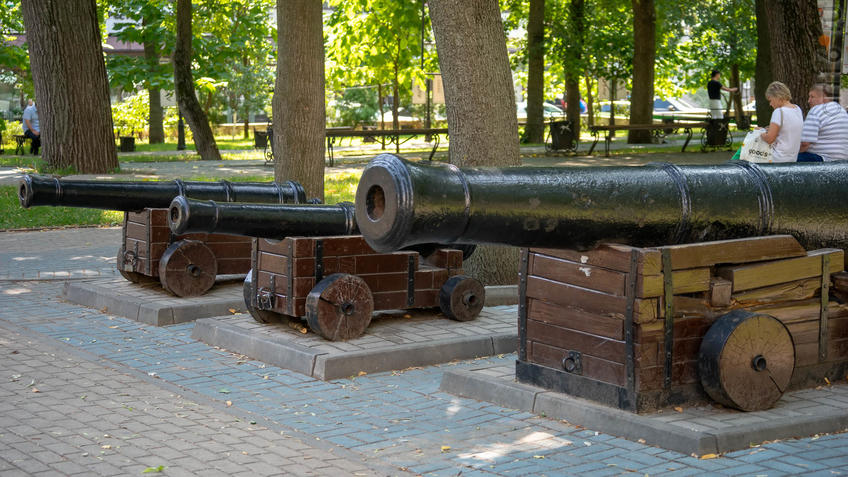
[148,311]
[503,391]
[320,364]
[497,295]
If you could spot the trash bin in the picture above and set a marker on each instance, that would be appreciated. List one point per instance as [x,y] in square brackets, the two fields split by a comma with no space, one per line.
[717,132]
[260,139]
[127,143]
[562,135]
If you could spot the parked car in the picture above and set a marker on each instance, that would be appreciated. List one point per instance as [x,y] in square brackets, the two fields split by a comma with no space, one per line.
[550,111]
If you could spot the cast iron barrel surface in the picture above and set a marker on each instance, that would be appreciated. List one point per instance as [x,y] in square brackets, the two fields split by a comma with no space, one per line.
[135,196]
[275,221]
[400,203]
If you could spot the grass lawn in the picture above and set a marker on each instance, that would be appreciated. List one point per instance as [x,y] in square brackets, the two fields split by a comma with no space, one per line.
[338,188]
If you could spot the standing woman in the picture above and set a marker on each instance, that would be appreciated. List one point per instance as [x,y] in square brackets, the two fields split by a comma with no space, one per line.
[784,131]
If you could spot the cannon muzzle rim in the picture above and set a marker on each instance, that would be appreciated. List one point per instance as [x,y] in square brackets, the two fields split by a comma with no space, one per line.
[384,202]
[25,191]
[178,215]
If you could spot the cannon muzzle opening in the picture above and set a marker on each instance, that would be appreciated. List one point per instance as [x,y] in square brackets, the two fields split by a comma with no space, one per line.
[25,191]
[179,214]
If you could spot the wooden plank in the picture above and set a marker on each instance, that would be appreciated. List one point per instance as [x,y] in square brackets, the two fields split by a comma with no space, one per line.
[386,282]
[782,292]
[385,262]
[445,258]
[230,250]
[720,292]
[345,245]
[746,277]
[683,281]
[567,339]
[279,247]
[583,275]
[575,318]
[426,298]
[393,300]
[611,256]
[595,368]
[228,266]
[645,309]
[802,310]
[744,250]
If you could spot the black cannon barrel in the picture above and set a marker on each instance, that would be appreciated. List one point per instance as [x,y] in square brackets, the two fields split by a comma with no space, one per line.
[399,203]
[261,220]
[137,195]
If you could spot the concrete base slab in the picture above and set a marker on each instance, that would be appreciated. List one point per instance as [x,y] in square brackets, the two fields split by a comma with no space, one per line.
[393,341]
[150,303]
[697,430]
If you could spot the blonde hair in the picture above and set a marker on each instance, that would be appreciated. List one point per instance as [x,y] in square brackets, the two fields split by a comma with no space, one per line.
[778,90]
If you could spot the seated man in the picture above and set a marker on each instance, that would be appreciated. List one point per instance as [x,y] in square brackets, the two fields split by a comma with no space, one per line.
[31,127]
[825,133]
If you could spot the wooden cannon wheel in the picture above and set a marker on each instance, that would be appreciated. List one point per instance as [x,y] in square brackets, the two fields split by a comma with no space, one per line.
[746,360]
[258,314]
[187,268]
[339,307]
[125,261]
[461,298]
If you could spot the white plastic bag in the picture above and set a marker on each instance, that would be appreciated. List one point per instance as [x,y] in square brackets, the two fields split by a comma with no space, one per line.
[754,149]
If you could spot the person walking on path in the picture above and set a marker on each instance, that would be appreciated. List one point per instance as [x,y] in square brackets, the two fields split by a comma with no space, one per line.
[784,130]
[32,129]
[825,133]
[714,89]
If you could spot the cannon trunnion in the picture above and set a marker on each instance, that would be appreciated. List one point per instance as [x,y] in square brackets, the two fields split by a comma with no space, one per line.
[336,282]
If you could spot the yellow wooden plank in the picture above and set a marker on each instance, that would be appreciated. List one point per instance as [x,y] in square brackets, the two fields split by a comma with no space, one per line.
[744,250]
[746,277]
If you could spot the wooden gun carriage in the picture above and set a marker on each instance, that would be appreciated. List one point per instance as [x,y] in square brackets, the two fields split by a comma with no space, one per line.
[184,264]
[309,262]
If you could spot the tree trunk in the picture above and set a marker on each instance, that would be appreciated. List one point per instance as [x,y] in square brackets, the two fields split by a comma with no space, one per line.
[572,70]
[590,102]
[794,31]
[156,116]
[204,140]
[613,85]
[66,59]
[736,98]
[396,101]
[762,74]
[644,53]
[299,115]
[535,129]
[480,105]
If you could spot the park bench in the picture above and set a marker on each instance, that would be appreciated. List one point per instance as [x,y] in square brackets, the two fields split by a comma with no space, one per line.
[659,130]
[394,136]
[20,142]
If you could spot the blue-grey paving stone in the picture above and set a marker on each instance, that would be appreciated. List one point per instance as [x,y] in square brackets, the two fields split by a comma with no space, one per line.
[840,462]
[745,469]
[712,465]
[680,473]
[808,465]
[580,450]
[644,459]
[824,473]
[820,454]
[759,455]
[784,467]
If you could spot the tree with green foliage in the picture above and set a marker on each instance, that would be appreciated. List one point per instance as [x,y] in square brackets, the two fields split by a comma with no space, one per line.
[14,59]
[236,48]
[204,140]
[644,54]
[149,23]
[374,42]
[719,34]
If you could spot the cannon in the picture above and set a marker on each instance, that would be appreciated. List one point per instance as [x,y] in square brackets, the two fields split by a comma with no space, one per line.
[184,264]
[308,264]
[644,287]
[400,203]
[134,196]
